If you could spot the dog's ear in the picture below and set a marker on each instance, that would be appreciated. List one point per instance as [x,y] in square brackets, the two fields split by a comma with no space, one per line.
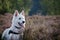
[23,13]
[16,13]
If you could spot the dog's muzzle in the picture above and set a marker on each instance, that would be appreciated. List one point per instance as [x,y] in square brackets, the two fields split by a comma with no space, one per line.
[23,21]
[21,24]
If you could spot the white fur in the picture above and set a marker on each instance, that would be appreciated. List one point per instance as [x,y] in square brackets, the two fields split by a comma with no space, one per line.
[15,20]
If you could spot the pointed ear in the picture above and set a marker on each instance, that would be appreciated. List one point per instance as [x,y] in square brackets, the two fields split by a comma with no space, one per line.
[16,13]
[23,13]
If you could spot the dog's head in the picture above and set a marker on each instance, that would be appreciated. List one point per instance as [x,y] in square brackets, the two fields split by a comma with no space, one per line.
[19,19]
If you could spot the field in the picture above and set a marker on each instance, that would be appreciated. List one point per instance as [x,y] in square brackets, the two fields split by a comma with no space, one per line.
[37,27]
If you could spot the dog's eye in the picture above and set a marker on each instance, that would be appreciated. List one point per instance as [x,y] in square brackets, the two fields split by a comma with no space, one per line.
[19,18]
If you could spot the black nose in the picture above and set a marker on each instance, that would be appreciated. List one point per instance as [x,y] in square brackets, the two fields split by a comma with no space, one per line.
[23,21]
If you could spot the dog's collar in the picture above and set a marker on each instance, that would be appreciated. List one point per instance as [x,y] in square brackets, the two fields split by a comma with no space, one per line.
[17,27]
[13,32]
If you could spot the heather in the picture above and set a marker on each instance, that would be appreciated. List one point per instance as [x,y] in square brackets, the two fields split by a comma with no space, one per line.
[37,27]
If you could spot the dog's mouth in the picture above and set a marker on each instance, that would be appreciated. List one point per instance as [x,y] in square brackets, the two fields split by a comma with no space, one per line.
[20,24]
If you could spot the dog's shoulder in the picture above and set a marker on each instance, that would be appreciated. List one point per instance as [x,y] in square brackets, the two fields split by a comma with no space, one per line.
[5,32]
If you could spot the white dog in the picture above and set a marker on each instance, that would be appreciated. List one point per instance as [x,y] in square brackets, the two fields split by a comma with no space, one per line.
[15,32]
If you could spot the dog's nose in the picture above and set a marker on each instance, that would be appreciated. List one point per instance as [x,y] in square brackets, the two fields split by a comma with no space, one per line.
[23,21]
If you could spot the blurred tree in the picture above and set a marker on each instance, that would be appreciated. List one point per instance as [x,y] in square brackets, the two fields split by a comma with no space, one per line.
[4,6]
[49,7]
[11,5]
[35,8]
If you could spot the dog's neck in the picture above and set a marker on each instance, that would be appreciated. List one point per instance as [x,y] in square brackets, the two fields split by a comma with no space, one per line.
[16,28]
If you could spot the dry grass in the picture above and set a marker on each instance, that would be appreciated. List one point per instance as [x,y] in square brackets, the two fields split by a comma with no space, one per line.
[37,27]
[42,28]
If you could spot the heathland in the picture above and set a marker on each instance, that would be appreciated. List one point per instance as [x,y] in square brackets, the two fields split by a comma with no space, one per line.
[37,27]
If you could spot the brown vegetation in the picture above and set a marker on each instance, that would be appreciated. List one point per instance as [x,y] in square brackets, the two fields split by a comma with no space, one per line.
[37,27]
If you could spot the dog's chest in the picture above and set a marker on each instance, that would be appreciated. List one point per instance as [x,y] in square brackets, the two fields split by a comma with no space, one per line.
[14,36]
